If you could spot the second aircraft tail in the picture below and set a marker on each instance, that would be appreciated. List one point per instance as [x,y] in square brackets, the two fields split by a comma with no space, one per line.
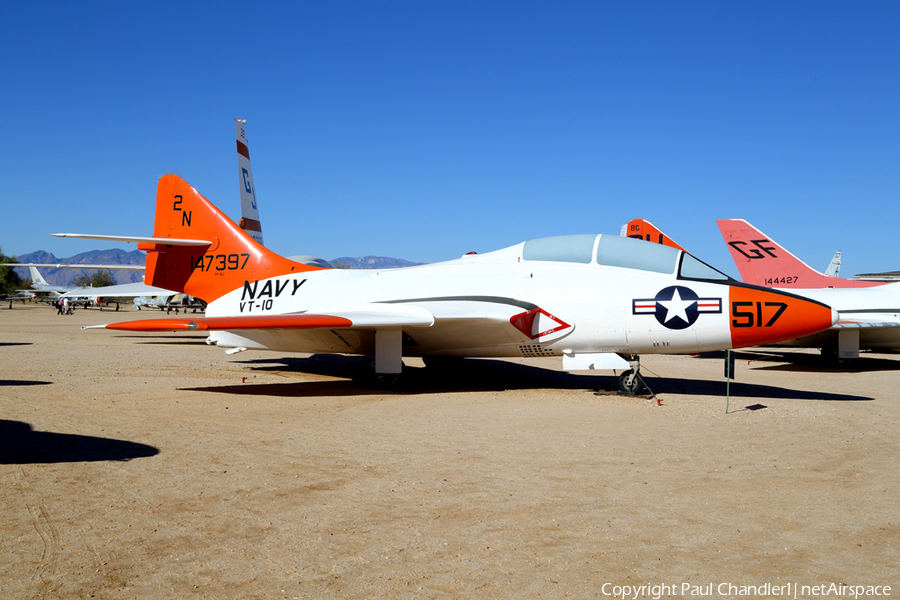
[762,261]
[36,277]
[647,231]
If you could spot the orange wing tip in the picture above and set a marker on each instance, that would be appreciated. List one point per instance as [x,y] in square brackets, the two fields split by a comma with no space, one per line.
[305,321]
[760,316]
[152,325]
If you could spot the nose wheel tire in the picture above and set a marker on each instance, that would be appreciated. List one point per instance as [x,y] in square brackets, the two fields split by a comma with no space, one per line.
[387,379]
[632,384]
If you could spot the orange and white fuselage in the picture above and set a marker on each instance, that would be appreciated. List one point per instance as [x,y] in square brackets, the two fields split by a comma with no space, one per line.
[502,304]
[583,297]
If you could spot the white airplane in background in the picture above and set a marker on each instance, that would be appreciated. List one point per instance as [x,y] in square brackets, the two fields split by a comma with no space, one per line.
[869,311]
[596,301]
[834,267]
[151,301]
[40,286]
[100,295]
[95,295]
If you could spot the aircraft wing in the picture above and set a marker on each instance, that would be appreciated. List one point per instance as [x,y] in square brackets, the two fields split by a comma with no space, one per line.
[54,293]
[125,290]
[864,324]
[361,318]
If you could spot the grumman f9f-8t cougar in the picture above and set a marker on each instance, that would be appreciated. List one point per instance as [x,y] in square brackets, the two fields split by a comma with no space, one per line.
[597,301]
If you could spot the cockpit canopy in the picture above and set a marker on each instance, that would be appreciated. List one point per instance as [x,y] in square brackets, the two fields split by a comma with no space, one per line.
[619,251]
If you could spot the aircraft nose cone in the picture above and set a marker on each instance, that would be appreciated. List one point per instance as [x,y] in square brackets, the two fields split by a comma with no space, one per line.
[765,316]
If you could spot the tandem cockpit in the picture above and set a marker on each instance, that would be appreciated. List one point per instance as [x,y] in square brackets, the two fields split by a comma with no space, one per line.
[622,252]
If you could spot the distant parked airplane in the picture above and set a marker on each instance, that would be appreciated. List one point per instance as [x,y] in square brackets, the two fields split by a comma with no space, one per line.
[39,285]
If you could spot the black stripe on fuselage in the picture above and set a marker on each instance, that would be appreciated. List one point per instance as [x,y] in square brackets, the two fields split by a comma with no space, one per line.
[489,299]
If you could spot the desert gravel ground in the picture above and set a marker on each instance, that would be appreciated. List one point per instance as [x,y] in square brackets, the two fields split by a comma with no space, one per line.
[155,466]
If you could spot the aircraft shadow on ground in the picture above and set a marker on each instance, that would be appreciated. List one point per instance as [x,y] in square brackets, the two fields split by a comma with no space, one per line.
[15,343]
[11,382]
[709,387]
[20,444]
[809,363]
[353,376]
[168,340]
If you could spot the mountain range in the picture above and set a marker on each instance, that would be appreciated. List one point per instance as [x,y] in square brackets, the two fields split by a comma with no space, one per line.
[372,262]
[136,257]
[95,257]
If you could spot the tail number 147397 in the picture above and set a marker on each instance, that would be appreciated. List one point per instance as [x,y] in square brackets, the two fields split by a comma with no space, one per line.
[756,314]
[220,262]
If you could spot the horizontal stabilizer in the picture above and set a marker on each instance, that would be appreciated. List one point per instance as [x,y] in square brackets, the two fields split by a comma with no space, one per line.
[77,266]
[135,239]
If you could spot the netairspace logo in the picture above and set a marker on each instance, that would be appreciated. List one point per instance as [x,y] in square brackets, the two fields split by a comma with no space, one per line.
[731,590]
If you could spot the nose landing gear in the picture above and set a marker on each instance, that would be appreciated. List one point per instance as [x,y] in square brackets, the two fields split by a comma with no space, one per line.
[630,382]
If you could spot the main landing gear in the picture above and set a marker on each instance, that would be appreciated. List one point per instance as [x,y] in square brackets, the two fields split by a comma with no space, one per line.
[630,382]
[388,355]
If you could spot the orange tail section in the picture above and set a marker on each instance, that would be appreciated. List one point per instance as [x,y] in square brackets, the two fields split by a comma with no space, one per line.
[211,270]
[645,230]
[761,261]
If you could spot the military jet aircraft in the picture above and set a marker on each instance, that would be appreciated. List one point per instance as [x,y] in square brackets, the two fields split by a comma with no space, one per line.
[596,301]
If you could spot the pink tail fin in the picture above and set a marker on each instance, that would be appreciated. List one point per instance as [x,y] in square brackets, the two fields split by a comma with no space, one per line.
[762,261]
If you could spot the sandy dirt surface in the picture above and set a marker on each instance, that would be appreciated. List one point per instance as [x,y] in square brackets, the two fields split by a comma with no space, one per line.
[155,466]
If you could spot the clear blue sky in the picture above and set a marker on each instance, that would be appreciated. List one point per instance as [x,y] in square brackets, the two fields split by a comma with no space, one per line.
[424,130]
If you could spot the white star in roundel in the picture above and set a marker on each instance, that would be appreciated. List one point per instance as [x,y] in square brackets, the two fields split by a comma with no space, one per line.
[676,307]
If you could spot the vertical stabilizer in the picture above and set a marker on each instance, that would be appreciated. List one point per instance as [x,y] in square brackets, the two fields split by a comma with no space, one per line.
[834,267]
[36,278]
[647,231]
[762,261]
[210,254]
[249,210]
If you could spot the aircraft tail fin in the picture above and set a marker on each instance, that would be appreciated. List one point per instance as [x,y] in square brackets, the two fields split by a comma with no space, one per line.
[249,209]
[36,277]
[228,258]
[761,261]
[647,231]
[834,267]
